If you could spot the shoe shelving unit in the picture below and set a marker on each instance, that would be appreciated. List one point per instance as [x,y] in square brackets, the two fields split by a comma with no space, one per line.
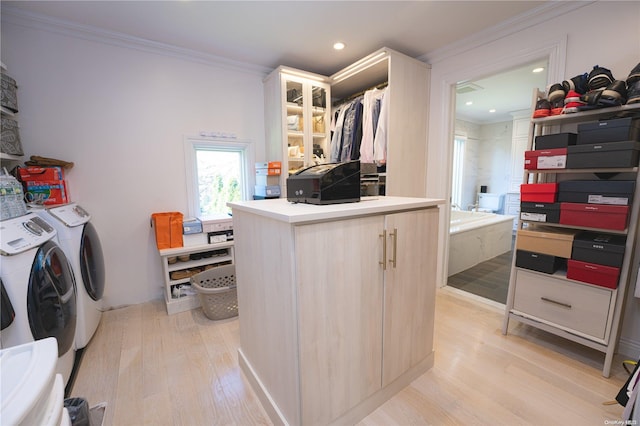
[580,312]
[177,274]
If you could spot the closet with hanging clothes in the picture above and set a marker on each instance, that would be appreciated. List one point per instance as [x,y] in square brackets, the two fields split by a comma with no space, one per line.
[378,115]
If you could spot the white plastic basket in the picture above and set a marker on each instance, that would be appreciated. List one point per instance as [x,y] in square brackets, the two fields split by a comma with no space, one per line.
[216,289]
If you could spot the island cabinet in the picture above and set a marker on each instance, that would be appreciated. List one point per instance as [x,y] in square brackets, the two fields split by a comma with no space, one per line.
[336,303]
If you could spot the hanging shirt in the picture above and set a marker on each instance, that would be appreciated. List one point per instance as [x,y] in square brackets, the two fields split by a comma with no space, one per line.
[380,139]
[370,115]
[336,139]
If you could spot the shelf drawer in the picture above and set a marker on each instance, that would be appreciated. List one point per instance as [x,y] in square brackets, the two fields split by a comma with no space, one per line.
[582,308]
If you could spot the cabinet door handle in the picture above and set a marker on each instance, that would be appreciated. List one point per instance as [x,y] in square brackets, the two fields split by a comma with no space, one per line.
[394,236]
[555,302]
[384,250]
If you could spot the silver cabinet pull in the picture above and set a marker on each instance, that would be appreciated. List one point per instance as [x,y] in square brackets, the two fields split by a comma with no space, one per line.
[394,235]
[384,250]
[555,302]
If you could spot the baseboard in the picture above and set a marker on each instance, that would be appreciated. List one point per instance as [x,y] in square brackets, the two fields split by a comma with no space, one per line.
[369,405]
[629,348]
[352,416]
[263,395]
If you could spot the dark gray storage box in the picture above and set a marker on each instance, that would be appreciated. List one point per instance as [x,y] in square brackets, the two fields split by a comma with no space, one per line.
[539,262]
[557,140]
[616,130]
[540,212]
[8,93]
[616,192]
[602,249]
[10,137]
[606,155]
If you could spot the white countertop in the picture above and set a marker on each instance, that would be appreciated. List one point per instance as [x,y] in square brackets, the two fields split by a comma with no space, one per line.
[282,210]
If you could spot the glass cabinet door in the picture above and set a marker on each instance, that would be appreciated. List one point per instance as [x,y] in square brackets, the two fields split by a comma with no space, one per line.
[295,125]
[307,123]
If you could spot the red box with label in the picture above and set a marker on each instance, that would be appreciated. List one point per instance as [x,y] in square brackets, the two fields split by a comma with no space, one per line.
[602,216]
[40,174]
[48,192]
[545,159]
[539,192]
[592,273]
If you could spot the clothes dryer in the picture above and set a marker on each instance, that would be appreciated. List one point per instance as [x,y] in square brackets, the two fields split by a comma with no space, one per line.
[39,283]
[78,238]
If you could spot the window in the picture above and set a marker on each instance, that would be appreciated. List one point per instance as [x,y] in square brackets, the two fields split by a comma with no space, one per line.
[458,171]
[216,174]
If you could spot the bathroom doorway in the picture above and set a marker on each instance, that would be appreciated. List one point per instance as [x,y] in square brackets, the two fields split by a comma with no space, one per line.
[486,172]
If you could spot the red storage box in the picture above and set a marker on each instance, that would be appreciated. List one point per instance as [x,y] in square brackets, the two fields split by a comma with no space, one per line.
[602,216]
[592,273]
[545,159]
[49,193]
[40,174]
[539,192]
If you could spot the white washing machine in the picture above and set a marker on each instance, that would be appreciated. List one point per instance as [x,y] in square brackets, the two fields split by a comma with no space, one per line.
[31,392]
[80,242]
[39,283]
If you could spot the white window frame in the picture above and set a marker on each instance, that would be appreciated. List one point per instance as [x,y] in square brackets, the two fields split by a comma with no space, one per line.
[195,143]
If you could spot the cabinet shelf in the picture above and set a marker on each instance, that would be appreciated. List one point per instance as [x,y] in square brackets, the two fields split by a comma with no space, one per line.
[584,171]
[599,326]
[562,275]
[596,114]
[584,228]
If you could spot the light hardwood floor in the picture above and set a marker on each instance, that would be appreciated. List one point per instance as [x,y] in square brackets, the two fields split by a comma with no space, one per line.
[155,369]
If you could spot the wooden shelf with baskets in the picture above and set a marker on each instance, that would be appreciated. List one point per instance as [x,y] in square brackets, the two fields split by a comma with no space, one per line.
[178,294]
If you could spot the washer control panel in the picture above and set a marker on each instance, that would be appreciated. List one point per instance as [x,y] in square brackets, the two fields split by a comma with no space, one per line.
[23,233]
[70,214]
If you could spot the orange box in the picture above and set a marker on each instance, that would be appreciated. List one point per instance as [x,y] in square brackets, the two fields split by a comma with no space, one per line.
[275,165]
[168,228]
[50,192]
[268,172]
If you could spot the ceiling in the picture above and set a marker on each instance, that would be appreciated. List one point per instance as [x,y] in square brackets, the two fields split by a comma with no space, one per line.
[265,34]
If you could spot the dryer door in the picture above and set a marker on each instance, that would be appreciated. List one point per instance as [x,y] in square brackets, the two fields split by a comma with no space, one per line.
[51,298]
[6,309]
[92,262]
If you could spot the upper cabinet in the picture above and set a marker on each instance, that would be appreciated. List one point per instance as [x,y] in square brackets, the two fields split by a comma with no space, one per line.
[297,117]
[299,107]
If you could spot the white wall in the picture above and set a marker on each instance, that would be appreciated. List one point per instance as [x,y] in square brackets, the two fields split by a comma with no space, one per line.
[120,115]
[575,45]
[495,157]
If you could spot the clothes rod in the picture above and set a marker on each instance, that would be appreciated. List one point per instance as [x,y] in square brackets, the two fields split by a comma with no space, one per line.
[360,93]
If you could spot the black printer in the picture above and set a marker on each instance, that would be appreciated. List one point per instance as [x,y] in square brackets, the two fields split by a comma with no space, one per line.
[330,183]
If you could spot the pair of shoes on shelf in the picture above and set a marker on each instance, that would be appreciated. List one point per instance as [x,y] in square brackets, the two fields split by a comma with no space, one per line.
[543,108]
[633,85]
[614,94]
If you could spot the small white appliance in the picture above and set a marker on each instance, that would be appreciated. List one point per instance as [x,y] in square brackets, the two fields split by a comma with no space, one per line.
[31,392]
[80,242]
[39,283]
[488,202]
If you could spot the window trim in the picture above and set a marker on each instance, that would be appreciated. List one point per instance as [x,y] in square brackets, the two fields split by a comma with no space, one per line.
[194,143]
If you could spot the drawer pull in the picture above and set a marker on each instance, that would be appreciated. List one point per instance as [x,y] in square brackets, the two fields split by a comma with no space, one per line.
[555,302]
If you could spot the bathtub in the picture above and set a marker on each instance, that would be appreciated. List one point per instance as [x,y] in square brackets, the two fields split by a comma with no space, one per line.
[475,237]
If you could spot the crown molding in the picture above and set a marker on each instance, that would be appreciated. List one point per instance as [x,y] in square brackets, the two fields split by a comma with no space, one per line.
[548,10]
[90,33]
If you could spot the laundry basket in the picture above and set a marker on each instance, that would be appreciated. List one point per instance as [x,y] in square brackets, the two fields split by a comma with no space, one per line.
[216,289]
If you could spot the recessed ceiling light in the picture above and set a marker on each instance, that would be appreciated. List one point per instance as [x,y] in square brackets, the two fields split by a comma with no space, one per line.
[469,103]
[539,69]
[338,45]
[492,110]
